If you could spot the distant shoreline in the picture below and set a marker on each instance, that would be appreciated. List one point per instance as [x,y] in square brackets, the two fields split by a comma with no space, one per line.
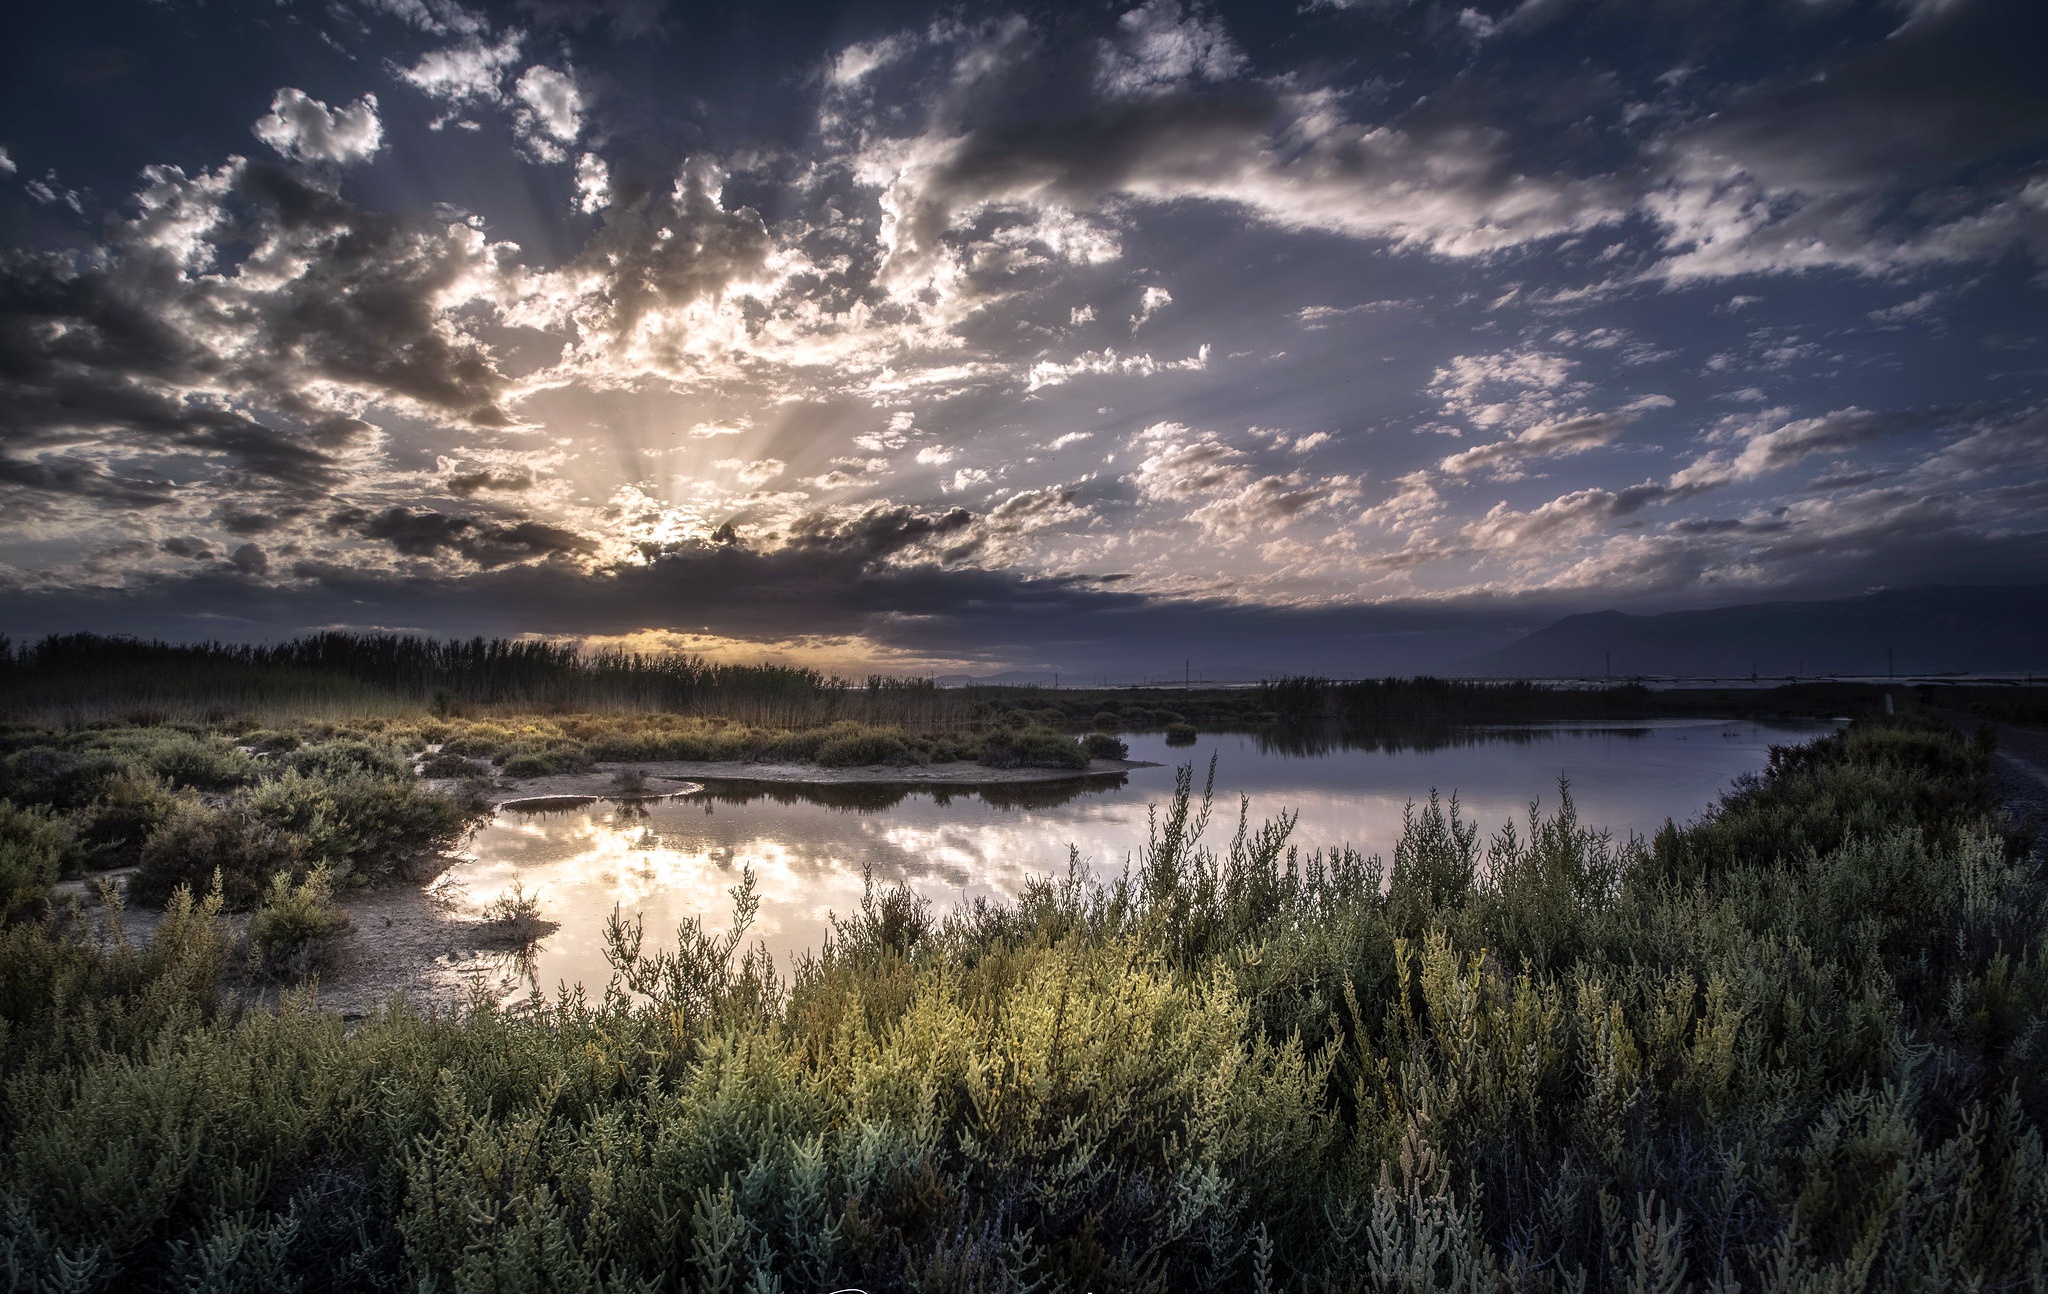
[602,783]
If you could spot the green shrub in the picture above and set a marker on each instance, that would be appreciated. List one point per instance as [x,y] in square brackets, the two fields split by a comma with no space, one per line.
[204,763]
[131,804]
[296,928]
[63,779]
[863,748]
[1032,748]
[200,843]
[340,758]
[34,847]
[1536,1062]
[1107,720]
[444,764]
[1180,734]
[544,759]
[362,826]
[1102,745]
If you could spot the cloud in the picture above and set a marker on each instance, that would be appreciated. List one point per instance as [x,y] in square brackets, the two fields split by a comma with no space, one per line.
[754,474]
[1150,301]
[1160,46]
[1047,372]
[465,484]
[1810,171]
[303,129]
[160,359]
[1166,112]
[487,542]
[1769,444]
[1257,508]
[1550,439]
[593,184]
[471,71]
[550,113]
[1181,464]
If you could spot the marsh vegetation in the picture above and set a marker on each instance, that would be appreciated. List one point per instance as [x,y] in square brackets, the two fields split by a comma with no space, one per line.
[1797,1043]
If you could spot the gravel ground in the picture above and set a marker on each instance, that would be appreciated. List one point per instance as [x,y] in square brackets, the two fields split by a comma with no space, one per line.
[2022,773]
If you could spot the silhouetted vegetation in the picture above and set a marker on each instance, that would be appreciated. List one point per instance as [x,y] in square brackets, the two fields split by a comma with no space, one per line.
[1796,1044]
[81,678]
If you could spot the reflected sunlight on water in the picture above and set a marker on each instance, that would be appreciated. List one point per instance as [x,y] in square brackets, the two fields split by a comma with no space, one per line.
[673,859]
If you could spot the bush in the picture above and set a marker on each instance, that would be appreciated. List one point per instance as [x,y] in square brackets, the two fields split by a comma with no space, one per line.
[34,846]
[1102,745]
[198,842]
[547,759]
[363,826]
[1535,1062]
[1107,720]
[63,779]
[863,748]
[295,931]
[1032,748]
[209,763]
[514,919]
[444,764]
[1180,734]
[132,804]
[339,758]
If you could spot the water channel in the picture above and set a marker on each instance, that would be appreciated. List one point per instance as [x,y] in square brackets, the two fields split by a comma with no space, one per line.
[809,847]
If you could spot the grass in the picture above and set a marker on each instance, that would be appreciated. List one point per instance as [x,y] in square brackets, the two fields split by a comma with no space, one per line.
[1796,1044]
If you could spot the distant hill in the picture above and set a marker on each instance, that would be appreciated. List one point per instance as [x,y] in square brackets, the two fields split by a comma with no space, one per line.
[1927,631]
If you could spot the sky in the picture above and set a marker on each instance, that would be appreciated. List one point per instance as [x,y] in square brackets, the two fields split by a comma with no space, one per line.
[1124,340]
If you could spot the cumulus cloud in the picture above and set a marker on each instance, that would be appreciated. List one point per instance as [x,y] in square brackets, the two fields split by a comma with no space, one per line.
[469,72]
[305,130]
[550,114]
[1159,46]
[1048,372]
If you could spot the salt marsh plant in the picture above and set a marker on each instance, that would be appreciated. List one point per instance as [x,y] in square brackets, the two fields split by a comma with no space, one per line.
[1726,1058]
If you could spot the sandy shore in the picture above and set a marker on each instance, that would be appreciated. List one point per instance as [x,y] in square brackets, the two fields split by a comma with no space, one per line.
[426,943]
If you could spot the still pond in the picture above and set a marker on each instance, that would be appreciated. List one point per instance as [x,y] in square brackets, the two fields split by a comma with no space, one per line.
[809,847]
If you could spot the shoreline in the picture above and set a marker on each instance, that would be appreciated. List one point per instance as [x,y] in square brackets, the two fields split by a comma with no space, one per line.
[601,782]
[428,941]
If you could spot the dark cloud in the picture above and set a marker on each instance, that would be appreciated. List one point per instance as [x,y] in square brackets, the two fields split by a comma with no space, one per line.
[131,350]
[874,534]
[487,542]
[465,484]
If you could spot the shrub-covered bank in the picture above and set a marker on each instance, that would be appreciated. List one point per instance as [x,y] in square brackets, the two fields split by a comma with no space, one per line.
[182,802]
[1795,1045]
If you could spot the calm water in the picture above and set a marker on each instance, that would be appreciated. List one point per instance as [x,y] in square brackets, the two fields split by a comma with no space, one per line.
[673,859]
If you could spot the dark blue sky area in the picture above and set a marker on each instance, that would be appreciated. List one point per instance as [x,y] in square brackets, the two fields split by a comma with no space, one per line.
[1331,336]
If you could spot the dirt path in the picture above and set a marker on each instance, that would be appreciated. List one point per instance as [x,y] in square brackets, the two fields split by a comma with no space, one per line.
[2022,761]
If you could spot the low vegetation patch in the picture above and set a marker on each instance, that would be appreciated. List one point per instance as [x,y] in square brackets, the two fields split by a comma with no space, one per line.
[1795,1044]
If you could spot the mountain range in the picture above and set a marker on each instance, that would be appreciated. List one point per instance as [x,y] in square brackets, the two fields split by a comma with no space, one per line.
[1932,630]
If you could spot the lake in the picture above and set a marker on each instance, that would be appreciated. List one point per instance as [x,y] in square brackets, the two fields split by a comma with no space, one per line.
[677,858]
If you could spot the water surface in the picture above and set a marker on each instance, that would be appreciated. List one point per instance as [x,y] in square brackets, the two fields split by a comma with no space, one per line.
[809,846]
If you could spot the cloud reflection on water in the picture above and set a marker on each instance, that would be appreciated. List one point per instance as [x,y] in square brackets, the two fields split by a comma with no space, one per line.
[809,847]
